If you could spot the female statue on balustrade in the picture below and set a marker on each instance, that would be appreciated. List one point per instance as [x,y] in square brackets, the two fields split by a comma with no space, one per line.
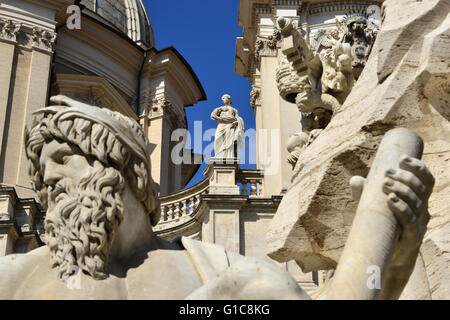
[230,131]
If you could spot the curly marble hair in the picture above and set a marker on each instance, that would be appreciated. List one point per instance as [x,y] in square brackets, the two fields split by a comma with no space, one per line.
[96,140]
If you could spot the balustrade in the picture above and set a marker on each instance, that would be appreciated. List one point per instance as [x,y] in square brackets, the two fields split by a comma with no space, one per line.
[185,203]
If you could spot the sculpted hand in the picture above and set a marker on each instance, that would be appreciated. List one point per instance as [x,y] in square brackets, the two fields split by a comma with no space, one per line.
[61,100]
[408,189]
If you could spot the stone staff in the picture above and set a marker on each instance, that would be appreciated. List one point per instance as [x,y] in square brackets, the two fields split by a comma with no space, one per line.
[374,226]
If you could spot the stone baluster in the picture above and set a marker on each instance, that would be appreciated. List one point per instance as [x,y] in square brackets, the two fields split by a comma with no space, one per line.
[253,189]
[197,201]
[177,212]
[163,213]
[260,188]
[184,208]
[244,190]
[170,212]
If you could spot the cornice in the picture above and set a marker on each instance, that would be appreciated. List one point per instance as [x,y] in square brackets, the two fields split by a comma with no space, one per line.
[201,94]
[10,193]
[55,5]
[99,88]
[328,7]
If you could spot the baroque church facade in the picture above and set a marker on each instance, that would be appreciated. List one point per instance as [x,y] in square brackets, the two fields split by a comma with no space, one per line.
[112,62]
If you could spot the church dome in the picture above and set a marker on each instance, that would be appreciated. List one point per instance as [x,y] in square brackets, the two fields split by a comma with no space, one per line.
[127,16]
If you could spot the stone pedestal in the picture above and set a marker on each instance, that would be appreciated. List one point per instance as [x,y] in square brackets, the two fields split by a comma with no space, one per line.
[222,176]
[223,223]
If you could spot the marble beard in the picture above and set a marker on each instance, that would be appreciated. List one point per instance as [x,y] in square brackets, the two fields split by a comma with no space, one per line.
[83,214]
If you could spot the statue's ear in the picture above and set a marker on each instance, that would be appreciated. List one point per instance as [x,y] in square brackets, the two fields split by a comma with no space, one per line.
[357,185]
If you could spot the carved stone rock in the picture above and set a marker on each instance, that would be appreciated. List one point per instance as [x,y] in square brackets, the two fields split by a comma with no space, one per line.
[319,71]
[405,83]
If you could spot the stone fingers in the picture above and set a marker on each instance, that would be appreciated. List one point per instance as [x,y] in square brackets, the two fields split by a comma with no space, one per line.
[57,99]
[357,186]
[420,170]
[404,192]
[409,179]
[401,210]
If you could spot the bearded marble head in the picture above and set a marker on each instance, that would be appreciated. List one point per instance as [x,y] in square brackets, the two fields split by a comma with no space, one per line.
[81,161]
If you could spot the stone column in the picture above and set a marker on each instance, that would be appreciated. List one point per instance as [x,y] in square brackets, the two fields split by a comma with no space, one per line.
[276,120]
[159,121]
[8,40]
[25,54]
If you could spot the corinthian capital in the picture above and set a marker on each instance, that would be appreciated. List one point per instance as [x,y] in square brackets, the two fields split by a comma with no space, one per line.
[9,29]
[44,39]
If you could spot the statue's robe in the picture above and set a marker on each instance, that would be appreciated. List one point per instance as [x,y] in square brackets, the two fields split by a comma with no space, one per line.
[200,271]
[226,137]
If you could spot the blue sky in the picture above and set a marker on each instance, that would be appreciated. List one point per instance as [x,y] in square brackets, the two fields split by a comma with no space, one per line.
[205,32]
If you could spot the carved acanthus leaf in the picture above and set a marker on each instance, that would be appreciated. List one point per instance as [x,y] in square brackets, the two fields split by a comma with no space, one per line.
[164,107]
[9,29]
[44,39]
[268,45]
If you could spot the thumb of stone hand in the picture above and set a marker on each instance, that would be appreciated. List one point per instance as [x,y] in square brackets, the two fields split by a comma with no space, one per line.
[357,185]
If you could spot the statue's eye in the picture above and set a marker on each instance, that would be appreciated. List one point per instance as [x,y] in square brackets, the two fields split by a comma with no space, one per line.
[62,157]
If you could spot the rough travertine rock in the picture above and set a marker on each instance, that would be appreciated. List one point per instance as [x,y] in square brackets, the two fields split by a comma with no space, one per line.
[406,83]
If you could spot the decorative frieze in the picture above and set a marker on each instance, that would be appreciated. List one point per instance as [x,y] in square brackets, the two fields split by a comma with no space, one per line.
[335,7]
[287,2]
[9,30]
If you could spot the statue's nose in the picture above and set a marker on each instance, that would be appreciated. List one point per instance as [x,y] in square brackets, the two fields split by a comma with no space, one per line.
[52,173]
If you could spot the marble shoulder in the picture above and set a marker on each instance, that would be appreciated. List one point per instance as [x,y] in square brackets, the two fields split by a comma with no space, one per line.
[15,268]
